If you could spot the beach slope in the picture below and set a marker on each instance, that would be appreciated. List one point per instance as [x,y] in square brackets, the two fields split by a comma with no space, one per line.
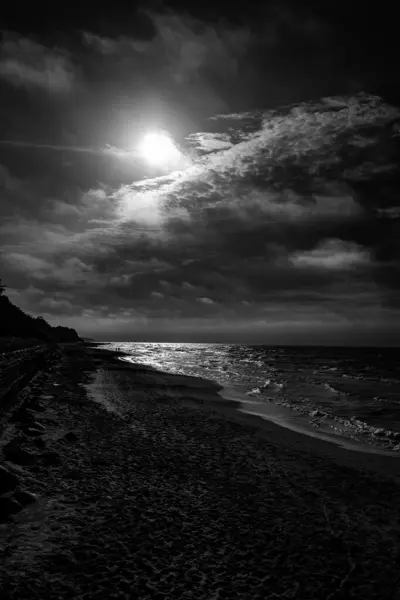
[145,485]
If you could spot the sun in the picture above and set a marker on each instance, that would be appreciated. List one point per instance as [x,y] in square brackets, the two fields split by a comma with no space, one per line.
[158,149]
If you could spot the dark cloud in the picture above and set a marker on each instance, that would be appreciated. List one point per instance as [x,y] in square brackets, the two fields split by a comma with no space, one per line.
[245,234]
[280,215]
[28,64]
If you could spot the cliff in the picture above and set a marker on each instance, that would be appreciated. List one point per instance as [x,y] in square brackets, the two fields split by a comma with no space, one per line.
[15,323]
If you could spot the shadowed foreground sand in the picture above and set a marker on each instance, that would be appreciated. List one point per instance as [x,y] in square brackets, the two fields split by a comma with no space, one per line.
[151,494]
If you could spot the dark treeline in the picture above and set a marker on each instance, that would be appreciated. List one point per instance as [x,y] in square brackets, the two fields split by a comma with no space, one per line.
[15,323]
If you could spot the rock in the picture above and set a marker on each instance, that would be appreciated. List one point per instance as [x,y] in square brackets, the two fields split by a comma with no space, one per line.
[19,456]
[14,443]
[8,507]
[50,457]
[35,406]
[317,413]
[24,497]
[379,432]
[24,416]
[32,432]
[31,413]
[39,443]
[8,481]
[70,436]
[21,416]
[37,425]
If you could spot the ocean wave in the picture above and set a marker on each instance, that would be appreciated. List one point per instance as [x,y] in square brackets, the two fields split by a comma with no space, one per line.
[377,432]
[254,391]
[318,413]
[332,390]
[357,429]
[285,377]
[269,386]
[273,385]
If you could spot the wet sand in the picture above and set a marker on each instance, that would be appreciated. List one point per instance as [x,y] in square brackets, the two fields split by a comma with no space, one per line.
[167,491]
[302,423]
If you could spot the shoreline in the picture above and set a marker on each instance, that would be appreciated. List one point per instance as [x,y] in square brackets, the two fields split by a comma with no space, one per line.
[376,462]
[284,416]
[340,449]
[349,433]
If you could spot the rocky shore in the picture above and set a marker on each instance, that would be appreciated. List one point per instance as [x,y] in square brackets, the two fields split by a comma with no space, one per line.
[120,482]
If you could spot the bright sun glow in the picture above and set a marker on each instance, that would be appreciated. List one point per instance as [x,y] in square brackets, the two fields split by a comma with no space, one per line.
[158,149]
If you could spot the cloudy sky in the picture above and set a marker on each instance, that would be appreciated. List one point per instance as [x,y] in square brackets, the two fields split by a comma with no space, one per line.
[274,220]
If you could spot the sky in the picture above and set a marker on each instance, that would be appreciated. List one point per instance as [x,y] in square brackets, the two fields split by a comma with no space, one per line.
[275,219]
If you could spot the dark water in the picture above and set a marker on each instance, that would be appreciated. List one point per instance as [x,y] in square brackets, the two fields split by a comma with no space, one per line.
[358,386]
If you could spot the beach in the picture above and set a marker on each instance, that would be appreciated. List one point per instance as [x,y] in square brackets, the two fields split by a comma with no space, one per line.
[150,485]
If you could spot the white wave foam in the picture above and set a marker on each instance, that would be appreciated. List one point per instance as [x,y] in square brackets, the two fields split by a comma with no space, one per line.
[254,391]
[332,390]
[272,385]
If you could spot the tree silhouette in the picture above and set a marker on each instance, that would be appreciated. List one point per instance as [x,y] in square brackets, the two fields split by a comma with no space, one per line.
[14,322]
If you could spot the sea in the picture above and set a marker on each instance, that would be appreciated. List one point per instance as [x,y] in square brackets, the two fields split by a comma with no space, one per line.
[347,393]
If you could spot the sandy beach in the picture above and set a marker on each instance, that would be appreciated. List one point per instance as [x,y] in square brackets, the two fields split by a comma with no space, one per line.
[125,482]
